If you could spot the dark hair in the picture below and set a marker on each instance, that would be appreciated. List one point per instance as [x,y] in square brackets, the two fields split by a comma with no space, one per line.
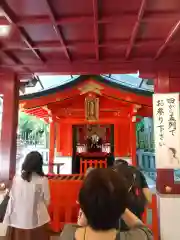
[120,161]
[126,172]
[136,197]
[103,198]
[33,163]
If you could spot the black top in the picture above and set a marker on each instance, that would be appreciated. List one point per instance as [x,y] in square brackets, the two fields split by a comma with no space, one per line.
[137,199]
[143,180]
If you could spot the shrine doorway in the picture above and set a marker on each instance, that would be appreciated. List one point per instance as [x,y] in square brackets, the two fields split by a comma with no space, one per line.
[92,141]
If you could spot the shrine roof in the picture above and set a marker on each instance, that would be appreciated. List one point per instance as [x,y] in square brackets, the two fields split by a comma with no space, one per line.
[72,96]
[106,80]
[89,36]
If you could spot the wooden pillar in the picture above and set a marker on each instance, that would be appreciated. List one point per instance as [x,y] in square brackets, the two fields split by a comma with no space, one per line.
[133,140]
[58,137]
[51,146]
[66,139]
[117,144]
[68,151]
[162,83]
[9,87]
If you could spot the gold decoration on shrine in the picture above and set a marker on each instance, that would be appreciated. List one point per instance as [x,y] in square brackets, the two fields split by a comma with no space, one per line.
[92,108]
[21,106]
[91,87]
[136,108]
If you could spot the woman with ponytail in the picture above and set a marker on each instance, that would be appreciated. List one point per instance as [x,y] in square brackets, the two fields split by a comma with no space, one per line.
[27,213]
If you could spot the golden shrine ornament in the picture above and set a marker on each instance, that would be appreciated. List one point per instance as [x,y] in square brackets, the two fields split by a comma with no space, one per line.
[92,108]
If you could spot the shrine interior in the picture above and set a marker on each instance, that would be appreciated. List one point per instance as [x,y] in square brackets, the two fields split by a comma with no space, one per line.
[92,141]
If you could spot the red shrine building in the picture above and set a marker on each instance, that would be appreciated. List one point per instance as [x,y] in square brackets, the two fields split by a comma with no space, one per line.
[91,119]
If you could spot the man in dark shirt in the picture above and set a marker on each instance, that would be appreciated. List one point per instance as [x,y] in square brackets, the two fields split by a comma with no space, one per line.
[139,193]
[141,178]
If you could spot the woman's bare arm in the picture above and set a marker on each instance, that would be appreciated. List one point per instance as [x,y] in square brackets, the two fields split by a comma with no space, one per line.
[147,194]
[131,219]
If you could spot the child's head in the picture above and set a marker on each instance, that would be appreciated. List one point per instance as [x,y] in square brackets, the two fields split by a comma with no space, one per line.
[88,171]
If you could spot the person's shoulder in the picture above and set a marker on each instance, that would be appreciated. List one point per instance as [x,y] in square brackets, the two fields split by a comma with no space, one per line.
[139,233]
[133,169]
[17,178]
[138,172]
[44,179]
[68,232]
[39,178]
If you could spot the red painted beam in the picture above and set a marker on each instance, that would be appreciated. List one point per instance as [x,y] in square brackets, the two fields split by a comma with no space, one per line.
[11,19]
[96,28]
[115,115]
[100,121]
[171,34]
[85,44]
[92,67]
[57,30]
[152,17]
[11,57]
[136,28]
[14,59]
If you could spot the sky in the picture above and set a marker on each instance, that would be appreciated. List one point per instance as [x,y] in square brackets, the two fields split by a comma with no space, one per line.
[50,81]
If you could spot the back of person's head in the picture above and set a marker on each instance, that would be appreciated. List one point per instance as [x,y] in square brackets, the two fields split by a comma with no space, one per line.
[88,171]
[125,171]
[33,163]
[120,161]
[103,198]
[133,180]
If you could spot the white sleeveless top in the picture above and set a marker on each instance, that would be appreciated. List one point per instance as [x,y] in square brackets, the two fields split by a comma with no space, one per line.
[27,205]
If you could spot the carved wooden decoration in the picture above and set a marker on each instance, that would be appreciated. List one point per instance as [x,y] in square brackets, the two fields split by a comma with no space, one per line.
[91,87]
[92,108]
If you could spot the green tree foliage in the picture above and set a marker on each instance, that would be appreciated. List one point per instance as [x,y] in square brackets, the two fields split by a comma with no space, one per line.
[31,127]
[140,125]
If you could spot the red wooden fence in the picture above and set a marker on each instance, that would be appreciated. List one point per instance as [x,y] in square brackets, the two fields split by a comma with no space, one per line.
[85,164]
[63,208]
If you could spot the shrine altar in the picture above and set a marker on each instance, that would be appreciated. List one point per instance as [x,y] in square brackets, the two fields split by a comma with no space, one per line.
[83,156]
[93,155]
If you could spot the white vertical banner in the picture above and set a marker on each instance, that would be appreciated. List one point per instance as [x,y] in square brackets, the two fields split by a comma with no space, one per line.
[167,130]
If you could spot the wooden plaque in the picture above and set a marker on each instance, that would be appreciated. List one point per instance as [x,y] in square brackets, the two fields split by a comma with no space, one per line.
[92,109]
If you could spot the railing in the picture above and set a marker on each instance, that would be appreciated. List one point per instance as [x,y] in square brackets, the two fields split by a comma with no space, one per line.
[146,163]
[85,164]
[63,208]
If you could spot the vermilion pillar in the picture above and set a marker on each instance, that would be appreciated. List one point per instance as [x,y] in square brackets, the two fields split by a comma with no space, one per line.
[117,143]
[166,82]
[51,145]
[121,138]
[68,146]
[162,83]
[133,140]
[9,87]
[66,139]
[58,137]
